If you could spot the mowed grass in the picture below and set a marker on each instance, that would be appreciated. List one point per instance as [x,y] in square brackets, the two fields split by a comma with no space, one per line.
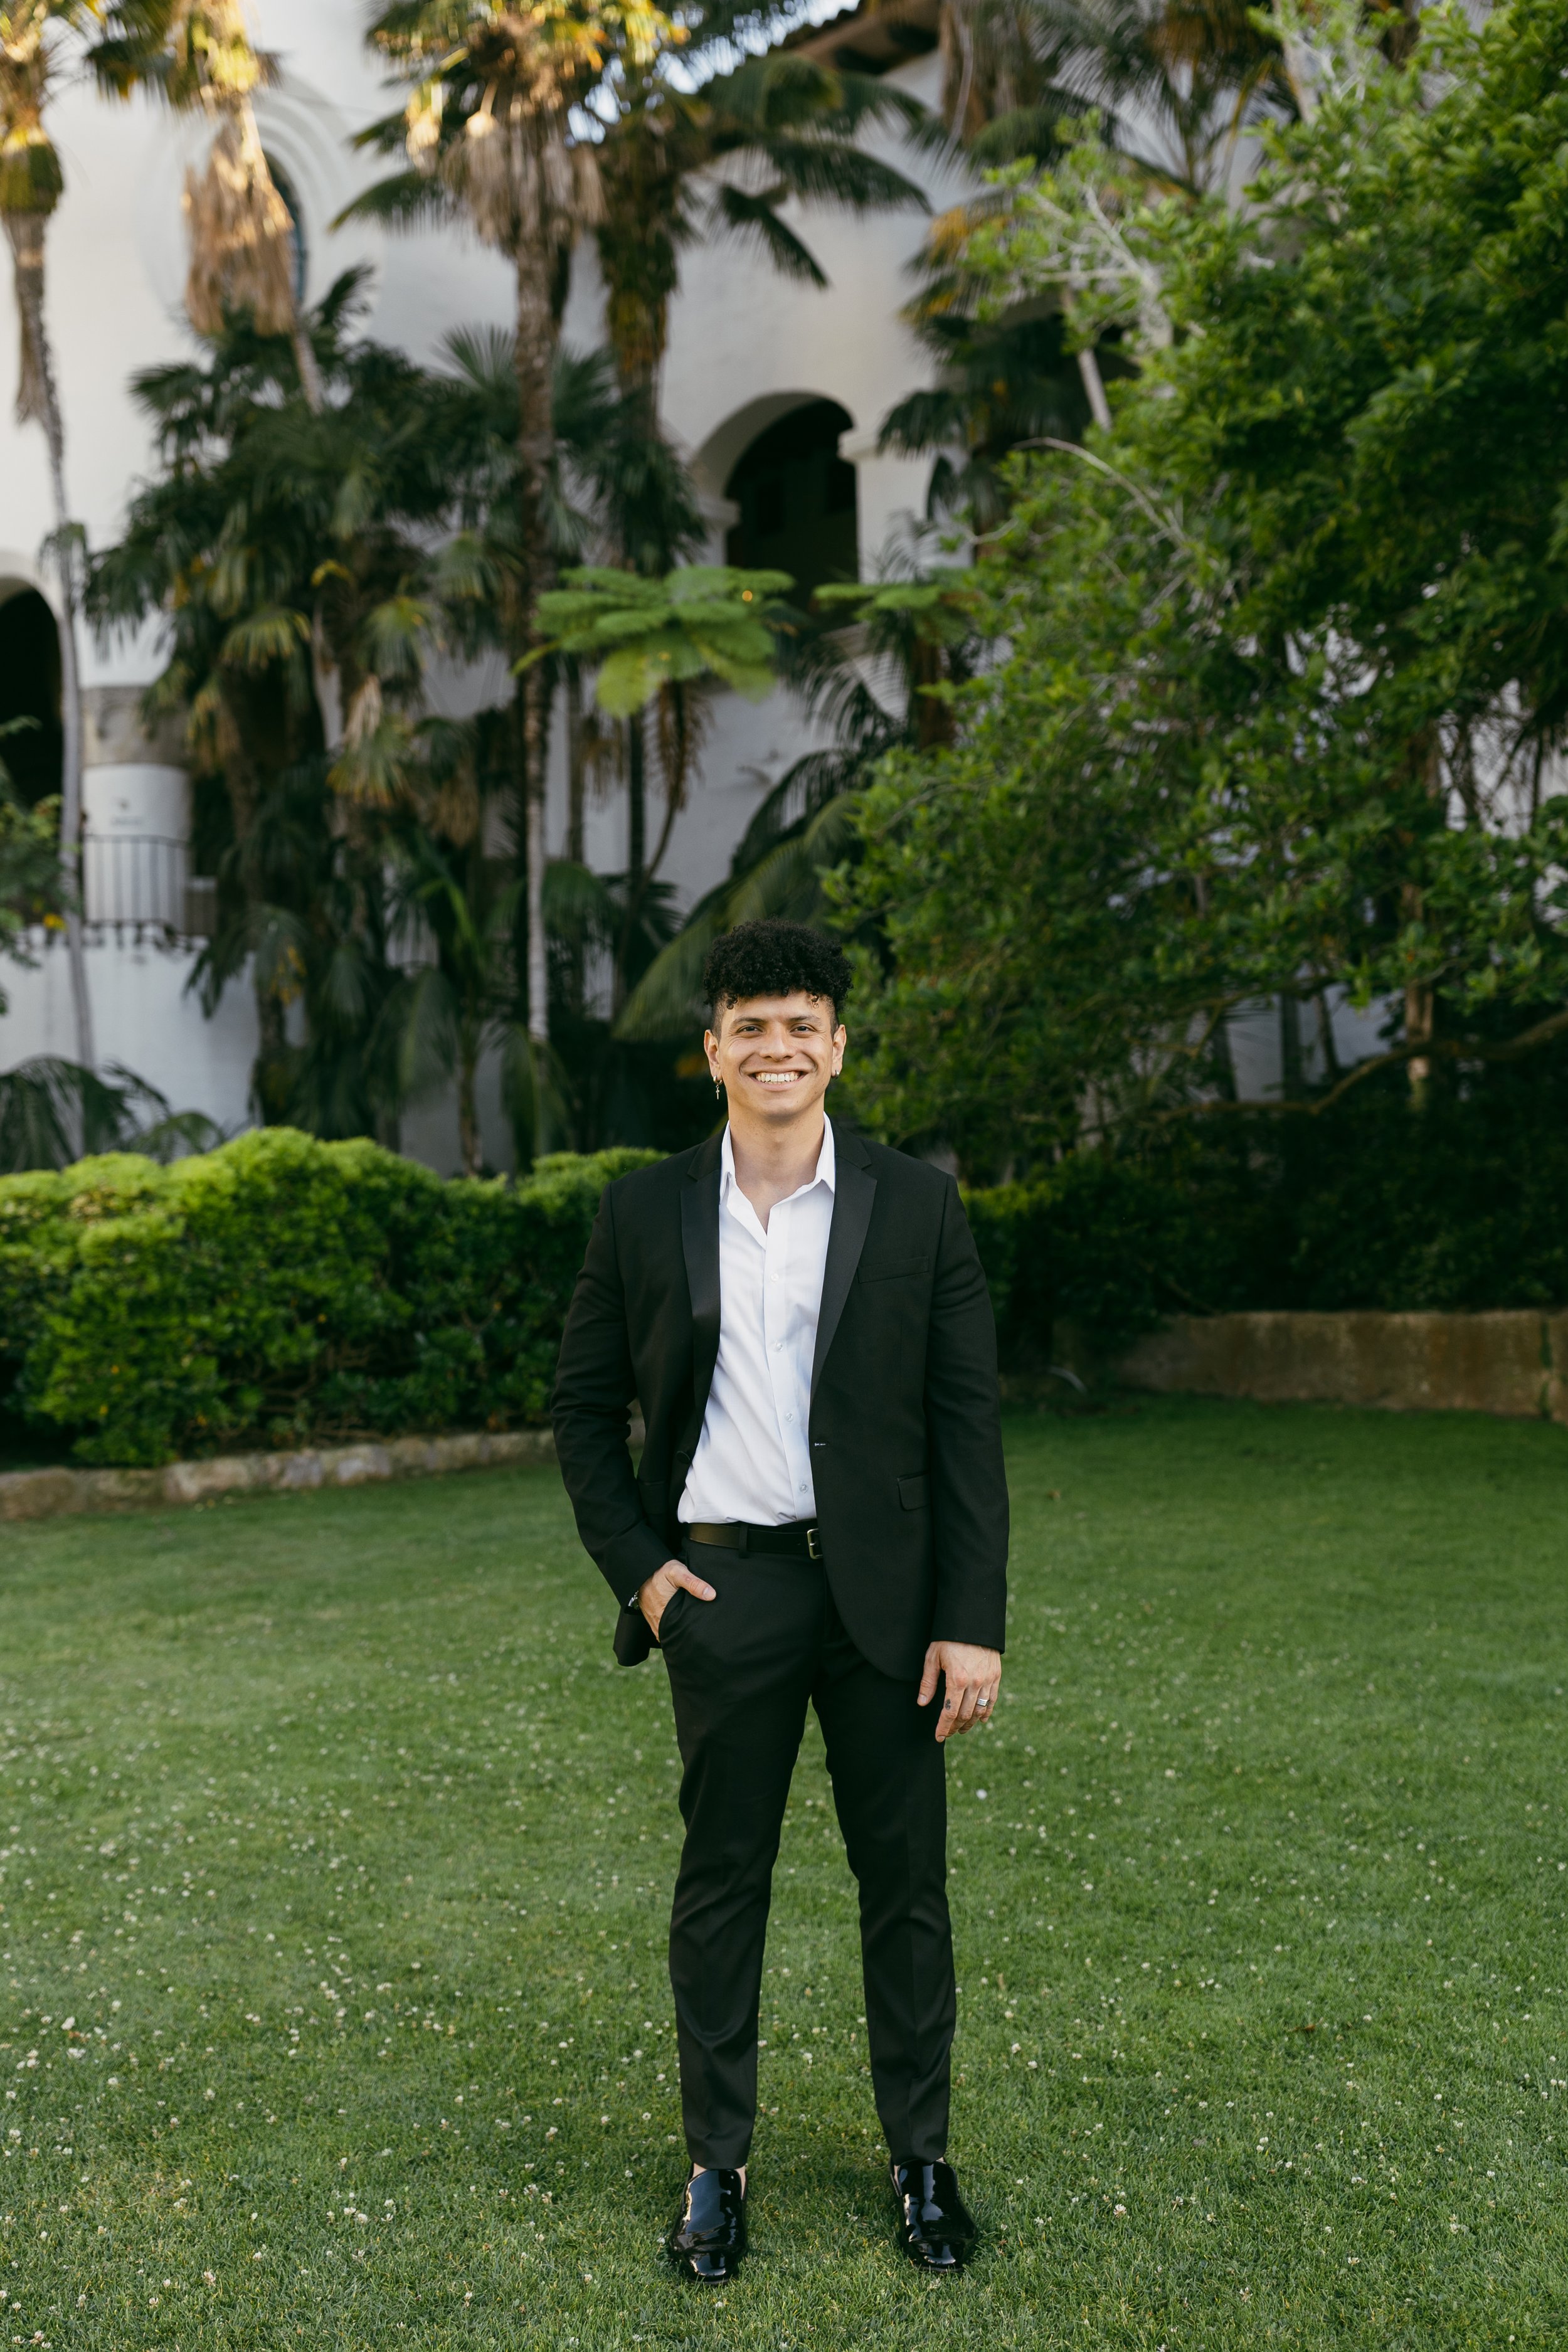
[337,1855]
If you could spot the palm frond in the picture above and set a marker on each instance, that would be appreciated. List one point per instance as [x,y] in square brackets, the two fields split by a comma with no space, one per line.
[403,202]
[829,172]
[752,220]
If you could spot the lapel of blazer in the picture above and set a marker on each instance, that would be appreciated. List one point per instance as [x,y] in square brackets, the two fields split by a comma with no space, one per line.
[699,1242]
[854,1196]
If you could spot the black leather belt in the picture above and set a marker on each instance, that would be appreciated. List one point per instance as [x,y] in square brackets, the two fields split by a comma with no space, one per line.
[798,1539]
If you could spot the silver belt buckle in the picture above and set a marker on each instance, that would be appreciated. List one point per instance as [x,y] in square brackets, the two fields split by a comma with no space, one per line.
[814,1542]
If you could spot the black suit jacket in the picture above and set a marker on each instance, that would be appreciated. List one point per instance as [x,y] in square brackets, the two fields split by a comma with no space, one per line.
[906,1444]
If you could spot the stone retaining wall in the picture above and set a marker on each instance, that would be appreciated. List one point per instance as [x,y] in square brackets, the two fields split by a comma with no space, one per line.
[1514,1364]
[54,1494]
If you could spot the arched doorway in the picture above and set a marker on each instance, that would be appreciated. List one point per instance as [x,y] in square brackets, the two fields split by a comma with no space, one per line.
[30,690]
[797,498]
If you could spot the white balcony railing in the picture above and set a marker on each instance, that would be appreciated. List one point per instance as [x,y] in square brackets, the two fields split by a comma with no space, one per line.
[142,883]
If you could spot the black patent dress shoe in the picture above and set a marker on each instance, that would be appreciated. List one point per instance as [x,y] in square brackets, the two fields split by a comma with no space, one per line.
[936,2228]
[709,2235]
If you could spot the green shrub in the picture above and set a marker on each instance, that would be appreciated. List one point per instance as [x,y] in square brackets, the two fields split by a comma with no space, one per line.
[282,1291]
[1460,1206]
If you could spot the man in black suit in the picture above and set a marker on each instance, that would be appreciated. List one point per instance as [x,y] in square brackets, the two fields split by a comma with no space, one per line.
[819,1515]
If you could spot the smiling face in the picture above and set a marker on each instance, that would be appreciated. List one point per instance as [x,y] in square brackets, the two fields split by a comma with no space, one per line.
[775,1055]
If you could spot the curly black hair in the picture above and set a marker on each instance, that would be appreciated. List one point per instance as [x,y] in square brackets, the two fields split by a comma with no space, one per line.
[775,959]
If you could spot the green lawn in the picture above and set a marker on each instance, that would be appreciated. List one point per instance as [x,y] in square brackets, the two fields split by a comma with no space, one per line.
[336,1853]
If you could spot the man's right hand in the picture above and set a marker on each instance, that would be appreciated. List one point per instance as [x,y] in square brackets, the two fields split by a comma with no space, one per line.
[653,1597]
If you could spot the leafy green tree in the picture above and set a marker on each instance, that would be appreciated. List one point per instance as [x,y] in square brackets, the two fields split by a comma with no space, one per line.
[456,910]
[1281,678]
[999,381]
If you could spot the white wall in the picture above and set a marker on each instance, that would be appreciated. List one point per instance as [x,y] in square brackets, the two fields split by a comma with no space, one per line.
[141,1019]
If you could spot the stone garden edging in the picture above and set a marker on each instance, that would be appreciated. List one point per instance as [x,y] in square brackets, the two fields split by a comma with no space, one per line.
[59,1494]
[1513,1362]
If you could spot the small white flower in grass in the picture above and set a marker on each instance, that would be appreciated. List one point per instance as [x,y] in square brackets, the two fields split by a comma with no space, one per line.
[210,2277]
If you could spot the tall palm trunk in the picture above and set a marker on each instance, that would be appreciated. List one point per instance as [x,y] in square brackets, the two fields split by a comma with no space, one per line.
[537,335]
[471,1144]
[38,398]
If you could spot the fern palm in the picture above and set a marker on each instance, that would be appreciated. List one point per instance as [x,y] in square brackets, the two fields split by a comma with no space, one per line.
[885,684]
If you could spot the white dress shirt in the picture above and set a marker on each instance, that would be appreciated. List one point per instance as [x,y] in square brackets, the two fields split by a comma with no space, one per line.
[754,1458]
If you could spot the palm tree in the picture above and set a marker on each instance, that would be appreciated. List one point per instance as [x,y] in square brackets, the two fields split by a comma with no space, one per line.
[683,154]
[487,131]
[658,642]
[1189,72]
[31,184]
[614,489]
[199,55]
[999,381]
[53,1110]
[885,686]
[271,530]
[1167,88]
[456,912]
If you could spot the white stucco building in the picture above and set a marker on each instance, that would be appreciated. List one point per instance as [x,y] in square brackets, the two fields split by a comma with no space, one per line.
[749,354]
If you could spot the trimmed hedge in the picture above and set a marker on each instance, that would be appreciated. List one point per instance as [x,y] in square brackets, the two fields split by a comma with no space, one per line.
[1459,1206]
[280,1291]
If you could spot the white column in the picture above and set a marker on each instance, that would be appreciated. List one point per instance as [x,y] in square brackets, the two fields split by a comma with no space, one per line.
[136,807]
[890,494]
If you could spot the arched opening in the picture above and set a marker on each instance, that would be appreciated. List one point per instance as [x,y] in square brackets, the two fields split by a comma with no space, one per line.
[796,497]
[29,690]
[299,257]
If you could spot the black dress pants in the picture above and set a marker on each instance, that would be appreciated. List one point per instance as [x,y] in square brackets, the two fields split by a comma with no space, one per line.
[741,1670]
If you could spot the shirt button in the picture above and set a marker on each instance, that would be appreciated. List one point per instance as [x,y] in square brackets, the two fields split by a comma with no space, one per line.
[777,1345]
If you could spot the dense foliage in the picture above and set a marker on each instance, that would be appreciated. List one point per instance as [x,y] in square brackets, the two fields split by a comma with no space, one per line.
[1285,665]
[280,1290]
[1364,1208]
